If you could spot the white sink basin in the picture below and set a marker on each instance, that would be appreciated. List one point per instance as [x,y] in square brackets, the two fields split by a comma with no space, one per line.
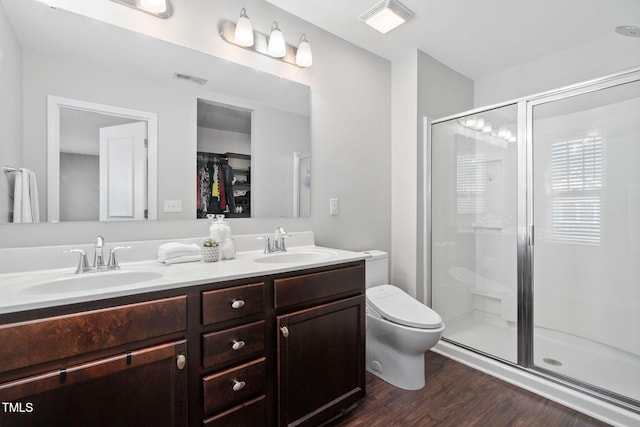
[295,257]
[90,281]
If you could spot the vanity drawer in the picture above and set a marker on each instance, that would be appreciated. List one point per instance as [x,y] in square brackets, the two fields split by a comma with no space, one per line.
[317,287]
[231,387]
[251,413]
[243,342]
[56,338]
[232,303]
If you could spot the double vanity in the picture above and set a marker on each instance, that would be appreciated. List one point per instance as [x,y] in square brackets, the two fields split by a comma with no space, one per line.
[264,339]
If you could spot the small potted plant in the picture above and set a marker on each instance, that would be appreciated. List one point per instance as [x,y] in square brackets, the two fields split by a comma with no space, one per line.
[210,252]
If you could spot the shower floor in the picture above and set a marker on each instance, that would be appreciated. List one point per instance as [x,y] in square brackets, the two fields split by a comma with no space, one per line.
[584,360]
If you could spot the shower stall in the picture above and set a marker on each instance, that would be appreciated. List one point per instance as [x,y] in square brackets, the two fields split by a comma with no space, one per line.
[535,234]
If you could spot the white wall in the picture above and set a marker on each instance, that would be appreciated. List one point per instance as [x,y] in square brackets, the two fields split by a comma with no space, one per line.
[222,141]
[422,87]
[10,112]
[350,130]
[272,176]
[403,201]
[591,60]
[442,91]
[79,187]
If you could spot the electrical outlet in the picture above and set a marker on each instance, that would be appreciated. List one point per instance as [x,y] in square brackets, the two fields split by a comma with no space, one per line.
[334,207]
[173,205]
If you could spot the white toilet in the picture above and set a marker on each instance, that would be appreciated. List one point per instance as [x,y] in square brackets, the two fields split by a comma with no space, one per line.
[399,328]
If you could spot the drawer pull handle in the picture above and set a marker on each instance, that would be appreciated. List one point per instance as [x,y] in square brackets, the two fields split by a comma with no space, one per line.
[237,303]
[285,331]
[181,361]
[237,345]
[238,385]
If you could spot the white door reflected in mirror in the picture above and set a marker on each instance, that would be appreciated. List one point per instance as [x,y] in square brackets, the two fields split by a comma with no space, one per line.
[123,172]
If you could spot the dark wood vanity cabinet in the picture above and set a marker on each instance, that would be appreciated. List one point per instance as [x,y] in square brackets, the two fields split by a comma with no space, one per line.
[283,349]
[121,366]
[148,390]
[234,366]
[321,337]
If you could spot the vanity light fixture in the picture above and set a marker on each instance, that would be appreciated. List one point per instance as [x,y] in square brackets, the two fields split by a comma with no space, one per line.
[272,45]
[480,124]
[386,15]
[158,8]
[154,6]
[277,47]
[243,35]
[304,58]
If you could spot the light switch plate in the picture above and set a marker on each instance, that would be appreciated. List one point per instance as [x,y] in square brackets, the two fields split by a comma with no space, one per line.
[173,205]
[334,206]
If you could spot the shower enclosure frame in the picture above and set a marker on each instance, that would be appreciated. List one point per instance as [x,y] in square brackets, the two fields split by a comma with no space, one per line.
[525,228]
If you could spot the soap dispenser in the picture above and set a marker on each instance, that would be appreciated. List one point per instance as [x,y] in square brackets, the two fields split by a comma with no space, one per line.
[220,231]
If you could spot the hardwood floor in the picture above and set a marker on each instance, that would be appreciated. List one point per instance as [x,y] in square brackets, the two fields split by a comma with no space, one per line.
[456,395]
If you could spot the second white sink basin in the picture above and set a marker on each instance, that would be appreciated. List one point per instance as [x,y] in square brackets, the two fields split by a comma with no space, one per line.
[90,281]
[295,257]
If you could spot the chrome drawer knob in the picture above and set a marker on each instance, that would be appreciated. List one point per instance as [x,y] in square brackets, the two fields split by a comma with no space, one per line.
[237,303]
[285,331]
[238,385]
[237,345]
[181,361]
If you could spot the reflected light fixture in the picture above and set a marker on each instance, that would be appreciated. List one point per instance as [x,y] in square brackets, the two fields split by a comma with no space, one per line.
[157,8]
[243,35]
[277,47]
[154,6]
[304,58]
[386,15]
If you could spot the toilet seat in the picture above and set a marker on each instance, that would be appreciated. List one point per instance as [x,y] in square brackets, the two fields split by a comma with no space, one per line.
[395,305]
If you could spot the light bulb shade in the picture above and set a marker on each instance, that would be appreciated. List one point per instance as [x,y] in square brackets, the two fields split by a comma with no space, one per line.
[304,58]
[154,6]
[277,47]
[243,35]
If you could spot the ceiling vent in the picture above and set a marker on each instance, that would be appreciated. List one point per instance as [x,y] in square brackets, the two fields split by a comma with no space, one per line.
[386,15]
[198,80]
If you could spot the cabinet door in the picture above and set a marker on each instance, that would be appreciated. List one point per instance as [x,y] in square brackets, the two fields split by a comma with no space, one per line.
[139,388]
[321,361]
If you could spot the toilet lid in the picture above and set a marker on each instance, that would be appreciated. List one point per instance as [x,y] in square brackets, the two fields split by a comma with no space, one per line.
[395,305]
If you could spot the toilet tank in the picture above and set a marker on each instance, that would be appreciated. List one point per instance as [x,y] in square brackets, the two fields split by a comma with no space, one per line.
[376,268]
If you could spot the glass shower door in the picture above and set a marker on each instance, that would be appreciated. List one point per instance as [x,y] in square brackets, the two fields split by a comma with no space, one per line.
[474,229]
[586,253]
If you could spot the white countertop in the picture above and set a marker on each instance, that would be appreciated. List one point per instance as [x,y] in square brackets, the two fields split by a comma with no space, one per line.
[16,289]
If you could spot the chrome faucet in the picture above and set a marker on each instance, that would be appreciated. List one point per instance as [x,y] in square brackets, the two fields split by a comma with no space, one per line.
[98,258]
[276,243]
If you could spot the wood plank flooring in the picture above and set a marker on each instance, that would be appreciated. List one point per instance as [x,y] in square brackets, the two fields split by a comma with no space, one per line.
[457,395]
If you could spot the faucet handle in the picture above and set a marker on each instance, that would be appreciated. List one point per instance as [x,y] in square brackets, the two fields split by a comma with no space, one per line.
[83,265]
[113,262]
[267,243]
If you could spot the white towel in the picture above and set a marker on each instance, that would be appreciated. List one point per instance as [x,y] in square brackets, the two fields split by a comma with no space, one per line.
[176,250]
[25,197]
[179,259]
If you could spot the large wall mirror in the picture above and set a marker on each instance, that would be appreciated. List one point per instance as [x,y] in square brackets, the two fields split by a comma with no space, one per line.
[194,108]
